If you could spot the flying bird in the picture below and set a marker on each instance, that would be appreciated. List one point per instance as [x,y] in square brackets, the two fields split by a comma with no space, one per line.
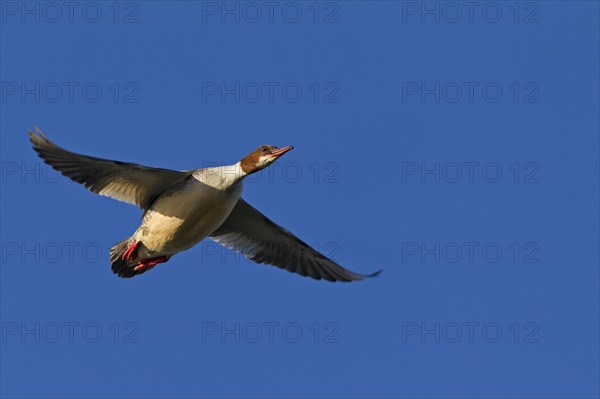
[183,208]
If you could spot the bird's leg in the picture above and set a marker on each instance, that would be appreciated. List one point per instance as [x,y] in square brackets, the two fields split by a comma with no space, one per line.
[150,262]
[131,251]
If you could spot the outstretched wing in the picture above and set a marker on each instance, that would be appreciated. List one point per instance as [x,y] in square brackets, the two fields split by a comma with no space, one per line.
[249,232]
[127,182]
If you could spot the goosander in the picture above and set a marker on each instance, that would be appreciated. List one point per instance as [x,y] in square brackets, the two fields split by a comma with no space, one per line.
[183,208]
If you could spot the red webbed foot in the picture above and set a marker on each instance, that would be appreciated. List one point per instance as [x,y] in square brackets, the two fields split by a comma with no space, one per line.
[149,263]
[131,251]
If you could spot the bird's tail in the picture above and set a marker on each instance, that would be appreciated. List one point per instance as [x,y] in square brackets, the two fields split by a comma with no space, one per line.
[125,261]
[121,267]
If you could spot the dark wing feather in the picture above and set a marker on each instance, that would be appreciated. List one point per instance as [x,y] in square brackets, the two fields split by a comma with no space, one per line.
[127,182]
[259,239]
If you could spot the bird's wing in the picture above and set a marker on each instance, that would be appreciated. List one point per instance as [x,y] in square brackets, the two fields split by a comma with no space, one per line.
[249,232]
[127,182]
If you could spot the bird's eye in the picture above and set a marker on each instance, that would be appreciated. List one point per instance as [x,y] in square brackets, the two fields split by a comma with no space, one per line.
[265,149]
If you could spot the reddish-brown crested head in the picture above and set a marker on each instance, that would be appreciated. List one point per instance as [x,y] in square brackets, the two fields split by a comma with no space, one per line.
[262,157]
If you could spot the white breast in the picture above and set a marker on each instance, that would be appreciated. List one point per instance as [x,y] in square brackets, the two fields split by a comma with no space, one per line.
[180,219]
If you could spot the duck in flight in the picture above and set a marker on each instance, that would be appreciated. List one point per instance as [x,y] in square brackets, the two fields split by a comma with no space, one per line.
[183,208]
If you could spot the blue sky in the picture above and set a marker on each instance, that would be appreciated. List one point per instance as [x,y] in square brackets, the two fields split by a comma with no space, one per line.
[455,147]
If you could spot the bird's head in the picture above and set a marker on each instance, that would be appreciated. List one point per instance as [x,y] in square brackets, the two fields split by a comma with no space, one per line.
[262,157]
